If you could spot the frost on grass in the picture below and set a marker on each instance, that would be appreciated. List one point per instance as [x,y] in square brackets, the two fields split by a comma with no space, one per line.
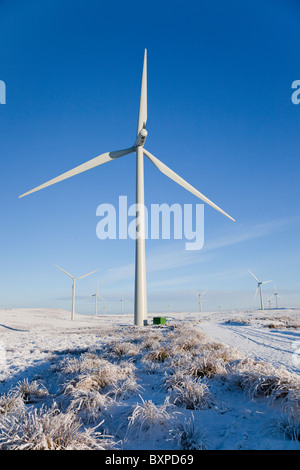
[178,365]
[149,420]
[186,337]
[90,405]
[206,366]
[11,403]
[159,355]
[107,375]
[238,321]
[187,436]
[174,379]
[150,342]
[263,379]
[120,348]
[192,394]
[73,365]
[48,429]
[150,367]
[283,323]
[94,389]
[30,391]
[287,426]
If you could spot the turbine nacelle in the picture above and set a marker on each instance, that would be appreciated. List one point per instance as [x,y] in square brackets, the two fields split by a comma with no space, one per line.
[141,138]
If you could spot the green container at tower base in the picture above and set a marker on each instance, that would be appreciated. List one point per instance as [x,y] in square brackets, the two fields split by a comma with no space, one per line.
[159,320]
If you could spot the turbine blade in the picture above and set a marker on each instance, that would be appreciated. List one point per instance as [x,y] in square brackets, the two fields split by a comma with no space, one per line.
[104,158]
[173,176]
[64,271]
[253,275]
[143,99]
[204,292]
[85,275]
[256,293]
[266,282]
[101,298]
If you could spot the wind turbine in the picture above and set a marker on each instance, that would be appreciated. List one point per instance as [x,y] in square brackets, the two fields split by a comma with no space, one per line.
[199,298]
[276,295]
[259,284]
[140,301]
[122,300]
[97,296]
[270,303]
[73,287]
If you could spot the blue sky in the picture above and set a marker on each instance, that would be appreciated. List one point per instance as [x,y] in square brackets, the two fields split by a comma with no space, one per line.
[219,113]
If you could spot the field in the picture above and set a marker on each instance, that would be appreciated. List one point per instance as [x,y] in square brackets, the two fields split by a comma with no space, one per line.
[219,380]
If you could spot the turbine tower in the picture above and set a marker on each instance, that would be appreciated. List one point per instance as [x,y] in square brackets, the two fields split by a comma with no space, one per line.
[259,284]
[200,299]
[97,296]
[140,299]
[73,287]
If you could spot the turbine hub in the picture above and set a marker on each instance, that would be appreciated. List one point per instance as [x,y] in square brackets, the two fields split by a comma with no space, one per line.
[141,138]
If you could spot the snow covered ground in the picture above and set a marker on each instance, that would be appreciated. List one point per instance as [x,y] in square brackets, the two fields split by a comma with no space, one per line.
[220,380]
[262,335]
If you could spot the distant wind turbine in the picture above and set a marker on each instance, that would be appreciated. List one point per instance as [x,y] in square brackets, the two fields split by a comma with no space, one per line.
[73,287]
[97,296]
[259,284]
[140,302]
[122,300]
[276,295]
[199,294]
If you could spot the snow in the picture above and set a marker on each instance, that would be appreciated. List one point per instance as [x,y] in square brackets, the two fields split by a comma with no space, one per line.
[35,341]
[256,340]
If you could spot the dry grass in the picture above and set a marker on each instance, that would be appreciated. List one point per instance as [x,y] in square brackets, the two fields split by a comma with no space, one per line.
[109,375]
[74,365]
[121,348]
[159,355]
[238,321]
[47,429]
[90,405]
[206,366]
[30,391]
[148,419]
[188,437]
[262,379]
[174,379]
[287,426]
[11,403]
[95,385]
[150,343]
[192,394]
[281,321]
